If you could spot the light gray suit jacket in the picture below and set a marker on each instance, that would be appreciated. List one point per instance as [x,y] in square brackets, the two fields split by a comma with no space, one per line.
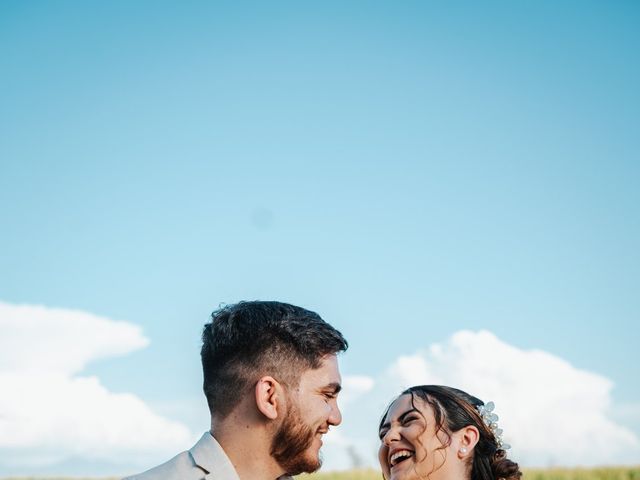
[205,461]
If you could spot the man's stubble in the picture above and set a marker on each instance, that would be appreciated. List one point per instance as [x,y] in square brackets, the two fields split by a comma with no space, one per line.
[291,442]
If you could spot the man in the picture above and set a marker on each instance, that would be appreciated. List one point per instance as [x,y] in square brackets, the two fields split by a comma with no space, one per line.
[271,380]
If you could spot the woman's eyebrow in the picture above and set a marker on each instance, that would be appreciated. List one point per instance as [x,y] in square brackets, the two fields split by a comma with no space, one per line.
[400,418]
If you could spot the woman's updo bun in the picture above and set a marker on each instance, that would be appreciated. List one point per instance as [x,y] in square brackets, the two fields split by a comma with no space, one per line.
[503,468]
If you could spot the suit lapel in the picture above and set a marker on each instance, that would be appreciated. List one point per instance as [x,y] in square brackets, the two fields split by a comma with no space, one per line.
[209,455]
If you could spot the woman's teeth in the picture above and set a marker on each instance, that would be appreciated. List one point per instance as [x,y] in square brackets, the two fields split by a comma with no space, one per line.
[399,456]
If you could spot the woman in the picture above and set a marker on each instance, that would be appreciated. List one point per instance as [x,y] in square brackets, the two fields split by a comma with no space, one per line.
[442,433]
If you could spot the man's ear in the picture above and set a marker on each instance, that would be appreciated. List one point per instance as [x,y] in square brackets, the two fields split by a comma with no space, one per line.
[467,439]
[268,396]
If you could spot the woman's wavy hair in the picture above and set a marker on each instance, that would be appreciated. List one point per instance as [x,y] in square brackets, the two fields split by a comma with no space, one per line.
[454,409]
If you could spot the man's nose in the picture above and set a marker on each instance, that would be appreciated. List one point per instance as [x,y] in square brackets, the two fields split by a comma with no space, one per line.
[335,416]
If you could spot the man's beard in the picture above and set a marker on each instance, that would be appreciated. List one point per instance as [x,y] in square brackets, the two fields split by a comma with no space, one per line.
[290,444]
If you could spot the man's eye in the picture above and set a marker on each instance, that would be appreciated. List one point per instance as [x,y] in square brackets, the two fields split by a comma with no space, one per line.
[330,395]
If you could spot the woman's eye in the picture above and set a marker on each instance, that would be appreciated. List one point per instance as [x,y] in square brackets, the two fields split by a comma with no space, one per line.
[409,419]
[382,434]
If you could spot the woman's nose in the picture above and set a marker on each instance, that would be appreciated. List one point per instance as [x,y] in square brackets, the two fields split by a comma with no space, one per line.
[392,435]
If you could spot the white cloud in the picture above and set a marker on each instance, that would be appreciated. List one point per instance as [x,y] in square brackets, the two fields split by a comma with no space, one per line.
[353,387]
[49,413]
[552,412]
[37,338]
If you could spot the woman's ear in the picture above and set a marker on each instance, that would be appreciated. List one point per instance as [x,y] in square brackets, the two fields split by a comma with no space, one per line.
[467,439]
[268,396]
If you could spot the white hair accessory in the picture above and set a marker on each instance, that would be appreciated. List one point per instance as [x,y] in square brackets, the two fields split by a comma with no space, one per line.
[490,419]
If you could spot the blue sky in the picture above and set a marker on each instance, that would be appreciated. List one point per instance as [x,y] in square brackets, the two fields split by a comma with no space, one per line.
[407,170]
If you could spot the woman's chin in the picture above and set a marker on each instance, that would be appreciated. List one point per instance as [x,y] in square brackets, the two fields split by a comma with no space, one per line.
[404,470]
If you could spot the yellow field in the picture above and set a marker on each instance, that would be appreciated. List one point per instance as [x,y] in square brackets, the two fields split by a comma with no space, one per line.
[621,473]
[613,473]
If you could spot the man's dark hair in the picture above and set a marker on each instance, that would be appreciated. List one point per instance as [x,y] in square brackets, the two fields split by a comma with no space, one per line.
[247,340]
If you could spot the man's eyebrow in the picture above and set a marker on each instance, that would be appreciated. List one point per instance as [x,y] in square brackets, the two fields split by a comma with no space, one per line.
[335,387]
